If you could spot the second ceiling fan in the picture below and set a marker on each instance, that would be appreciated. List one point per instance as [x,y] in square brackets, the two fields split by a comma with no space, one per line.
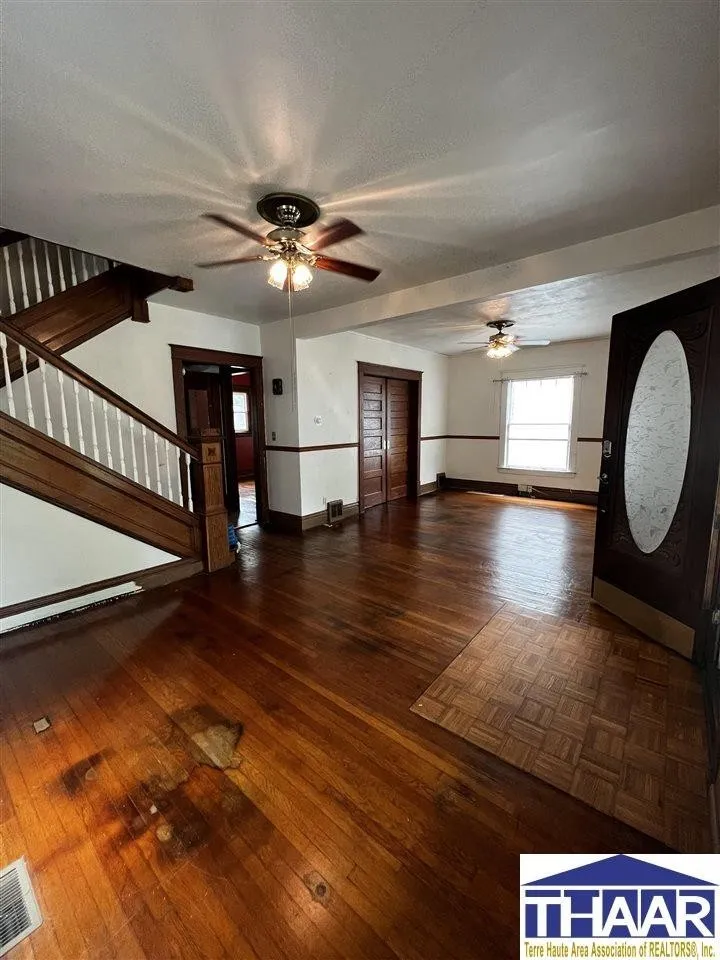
[291,253]
[501,344]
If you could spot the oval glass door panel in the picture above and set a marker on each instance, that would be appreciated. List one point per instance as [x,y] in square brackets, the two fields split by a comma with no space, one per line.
[657,441]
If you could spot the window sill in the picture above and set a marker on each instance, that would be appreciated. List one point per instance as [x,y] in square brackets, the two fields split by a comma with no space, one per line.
[550,473]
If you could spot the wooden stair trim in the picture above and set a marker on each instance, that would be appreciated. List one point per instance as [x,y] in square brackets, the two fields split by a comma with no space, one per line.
[45,468]
[105,393]
[148,578]
[65,320]
[9,237]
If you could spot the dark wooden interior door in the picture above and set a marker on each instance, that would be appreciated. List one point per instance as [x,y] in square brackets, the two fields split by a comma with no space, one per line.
[659,467]
[398,428]
[374,440]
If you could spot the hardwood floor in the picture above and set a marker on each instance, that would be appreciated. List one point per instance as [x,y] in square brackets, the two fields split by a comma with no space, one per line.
[606,715]
[233,769]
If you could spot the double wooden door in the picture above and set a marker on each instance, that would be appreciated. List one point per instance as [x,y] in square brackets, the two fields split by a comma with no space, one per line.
[385,439]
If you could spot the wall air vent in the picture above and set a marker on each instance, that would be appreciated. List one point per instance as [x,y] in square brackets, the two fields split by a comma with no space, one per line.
[334,511]
[19,912]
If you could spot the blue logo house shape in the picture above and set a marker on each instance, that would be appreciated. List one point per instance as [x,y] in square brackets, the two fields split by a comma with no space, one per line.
[619,897]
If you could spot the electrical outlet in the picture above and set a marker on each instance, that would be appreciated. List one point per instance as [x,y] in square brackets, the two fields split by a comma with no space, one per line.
[524,488]
[273,436]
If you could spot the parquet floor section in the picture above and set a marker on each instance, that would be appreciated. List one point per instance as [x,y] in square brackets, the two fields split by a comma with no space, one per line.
[604,714]
[233,769]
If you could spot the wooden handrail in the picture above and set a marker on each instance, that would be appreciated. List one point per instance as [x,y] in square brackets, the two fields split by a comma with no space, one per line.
[75,373]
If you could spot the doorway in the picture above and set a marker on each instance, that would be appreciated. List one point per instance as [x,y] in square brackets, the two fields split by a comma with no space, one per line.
[224,391]
[389,406]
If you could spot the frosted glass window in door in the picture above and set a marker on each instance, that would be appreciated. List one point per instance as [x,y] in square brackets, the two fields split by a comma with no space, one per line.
[657,441]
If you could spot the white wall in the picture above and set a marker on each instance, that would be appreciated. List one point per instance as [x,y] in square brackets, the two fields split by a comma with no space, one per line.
[327,388]
[474,409]
[133,359]
[45,549]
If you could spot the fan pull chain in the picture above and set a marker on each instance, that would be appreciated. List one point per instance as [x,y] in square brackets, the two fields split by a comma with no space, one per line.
[293,349]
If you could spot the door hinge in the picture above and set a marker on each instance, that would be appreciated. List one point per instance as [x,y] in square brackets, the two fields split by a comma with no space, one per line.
[716,618]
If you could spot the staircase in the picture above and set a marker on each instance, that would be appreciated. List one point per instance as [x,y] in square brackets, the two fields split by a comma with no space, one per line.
[63,297]
[70,440]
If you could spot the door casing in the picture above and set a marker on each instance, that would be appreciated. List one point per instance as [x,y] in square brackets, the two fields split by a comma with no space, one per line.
[183,354]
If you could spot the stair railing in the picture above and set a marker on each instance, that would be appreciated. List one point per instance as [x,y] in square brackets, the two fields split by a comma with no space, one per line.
[34,270]
[52,395]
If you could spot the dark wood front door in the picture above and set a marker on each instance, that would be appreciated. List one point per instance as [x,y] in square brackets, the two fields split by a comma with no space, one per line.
[398,423]
[374,440]
[659,466]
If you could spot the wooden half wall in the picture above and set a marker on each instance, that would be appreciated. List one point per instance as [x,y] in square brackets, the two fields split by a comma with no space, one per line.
[44,468]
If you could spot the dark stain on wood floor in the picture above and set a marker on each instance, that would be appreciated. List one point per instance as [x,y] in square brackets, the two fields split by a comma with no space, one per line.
[233,770]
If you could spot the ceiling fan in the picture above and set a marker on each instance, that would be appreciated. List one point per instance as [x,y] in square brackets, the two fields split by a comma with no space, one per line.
[502,344]
[290,253]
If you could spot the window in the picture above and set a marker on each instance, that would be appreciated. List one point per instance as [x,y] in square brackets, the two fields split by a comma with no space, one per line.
[537,429]
[241,412]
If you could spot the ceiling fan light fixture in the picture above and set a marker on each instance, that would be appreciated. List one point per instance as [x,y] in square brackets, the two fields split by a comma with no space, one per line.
[498,351]
[301,276]
[277,274]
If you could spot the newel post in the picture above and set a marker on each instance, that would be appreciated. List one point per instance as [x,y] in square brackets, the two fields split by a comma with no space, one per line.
[212,512]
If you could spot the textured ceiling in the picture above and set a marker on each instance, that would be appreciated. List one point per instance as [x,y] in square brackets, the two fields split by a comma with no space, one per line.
[567,310]
[457,134]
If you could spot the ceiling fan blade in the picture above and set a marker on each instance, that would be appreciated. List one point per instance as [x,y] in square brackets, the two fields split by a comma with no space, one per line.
[474,343]
[227,263]
[532,343]
[237,227]
[349,269]
[334,233]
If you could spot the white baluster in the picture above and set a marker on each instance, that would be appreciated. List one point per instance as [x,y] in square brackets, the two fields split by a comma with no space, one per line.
[83,262]
[107,434]
[118,416]
[168,473]
[93,428]
[145,456]
[23,284]
[6,372]
[46,402]
[26,382]
[132,449]
[81,437]
[189,485]
[63,408]
[50,284]
[177,470]
[36,272]
[8,277]
[157,465]
[73,272]
[61,269]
